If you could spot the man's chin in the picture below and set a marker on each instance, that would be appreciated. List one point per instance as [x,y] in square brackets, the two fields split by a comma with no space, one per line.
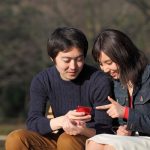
[69,78]
[72,77]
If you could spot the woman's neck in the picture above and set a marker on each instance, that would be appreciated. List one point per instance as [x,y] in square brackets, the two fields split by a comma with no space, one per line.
[130,88]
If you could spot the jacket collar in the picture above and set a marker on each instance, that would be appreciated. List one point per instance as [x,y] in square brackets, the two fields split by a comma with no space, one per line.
[145,77]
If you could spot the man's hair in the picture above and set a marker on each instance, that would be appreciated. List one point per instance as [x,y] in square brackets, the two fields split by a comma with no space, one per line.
[121,50]
[63,39]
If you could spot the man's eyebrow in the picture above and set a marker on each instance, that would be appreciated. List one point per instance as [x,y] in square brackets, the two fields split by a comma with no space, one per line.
[73,57]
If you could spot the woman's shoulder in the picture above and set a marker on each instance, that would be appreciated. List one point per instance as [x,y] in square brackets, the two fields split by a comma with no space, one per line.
[146,74]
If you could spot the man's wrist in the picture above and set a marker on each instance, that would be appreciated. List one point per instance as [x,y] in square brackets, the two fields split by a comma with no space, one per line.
[57,123]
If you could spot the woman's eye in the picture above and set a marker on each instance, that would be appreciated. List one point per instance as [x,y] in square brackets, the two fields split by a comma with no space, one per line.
[109,63]
[80,59]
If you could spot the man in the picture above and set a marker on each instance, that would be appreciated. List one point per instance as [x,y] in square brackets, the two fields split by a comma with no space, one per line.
[67,84]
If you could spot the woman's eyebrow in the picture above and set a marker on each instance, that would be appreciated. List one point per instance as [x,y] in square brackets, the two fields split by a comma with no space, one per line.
[105,61]
[108,61]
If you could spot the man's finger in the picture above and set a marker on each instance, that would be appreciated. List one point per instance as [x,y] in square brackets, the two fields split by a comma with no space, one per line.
[86,117]
[103,107]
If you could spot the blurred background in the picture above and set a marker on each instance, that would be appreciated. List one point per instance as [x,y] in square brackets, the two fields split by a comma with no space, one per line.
[25,26]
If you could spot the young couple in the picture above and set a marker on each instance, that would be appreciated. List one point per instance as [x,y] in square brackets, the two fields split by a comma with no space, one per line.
[69,83]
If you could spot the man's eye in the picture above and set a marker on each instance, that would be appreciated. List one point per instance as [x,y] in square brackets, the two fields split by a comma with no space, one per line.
[66,60]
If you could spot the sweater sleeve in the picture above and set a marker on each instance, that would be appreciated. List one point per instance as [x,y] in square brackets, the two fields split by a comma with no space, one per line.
[36,120]
[101,89]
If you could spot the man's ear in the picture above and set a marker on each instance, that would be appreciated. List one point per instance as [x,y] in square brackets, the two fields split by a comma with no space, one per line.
[51,59]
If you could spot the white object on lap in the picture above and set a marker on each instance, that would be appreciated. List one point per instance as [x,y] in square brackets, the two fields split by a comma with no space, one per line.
[123,142]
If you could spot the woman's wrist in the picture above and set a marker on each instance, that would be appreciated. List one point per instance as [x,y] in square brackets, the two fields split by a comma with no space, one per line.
[126,113]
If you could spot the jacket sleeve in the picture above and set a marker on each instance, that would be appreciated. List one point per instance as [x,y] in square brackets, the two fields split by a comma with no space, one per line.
[36,120]
[138,120]
[139,116]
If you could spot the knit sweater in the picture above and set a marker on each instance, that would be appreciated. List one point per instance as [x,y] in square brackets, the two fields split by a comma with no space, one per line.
[90,88]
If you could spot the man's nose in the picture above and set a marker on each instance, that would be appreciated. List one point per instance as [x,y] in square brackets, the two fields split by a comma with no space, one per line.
[72,64]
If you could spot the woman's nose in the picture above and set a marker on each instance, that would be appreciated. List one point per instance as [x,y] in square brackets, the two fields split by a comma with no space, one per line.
[105,69]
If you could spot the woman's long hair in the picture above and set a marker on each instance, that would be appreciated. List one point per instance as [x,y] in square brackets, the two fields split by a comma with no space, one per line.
[121,50]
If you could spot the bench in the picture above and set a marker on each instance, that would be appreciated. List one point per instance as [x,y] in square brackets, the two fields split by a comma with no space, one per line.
[2,142]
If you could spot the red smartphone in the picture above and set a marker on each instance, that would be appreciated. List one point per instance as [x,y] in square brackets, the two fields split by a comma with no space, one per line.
[85,109]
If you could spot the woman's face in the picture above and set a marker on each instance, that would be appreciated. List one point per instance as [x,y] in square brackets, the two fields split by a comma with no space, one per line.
[108,66]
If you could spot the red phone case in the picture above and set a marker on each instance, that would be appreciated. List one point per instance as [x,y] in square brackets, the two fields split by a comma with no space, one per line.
[85,109]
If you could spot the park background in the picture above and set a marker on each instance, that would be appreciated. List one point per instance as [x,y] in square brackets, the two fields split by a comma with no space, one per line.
[25,26]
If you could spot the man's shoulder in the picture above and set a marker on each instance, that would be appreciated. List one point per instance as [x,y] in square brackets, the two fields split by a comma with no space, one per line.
[95,70]
[95,74]
[90,70]
[45,73]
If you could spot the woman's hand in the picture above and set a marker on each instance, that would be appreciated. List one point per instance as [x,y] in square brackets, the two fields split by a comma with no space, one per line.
[114,110]
[122,130]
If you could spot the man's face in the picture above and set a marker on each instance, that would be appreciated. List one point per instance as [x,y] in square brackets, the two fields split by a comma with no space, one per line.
[69,63]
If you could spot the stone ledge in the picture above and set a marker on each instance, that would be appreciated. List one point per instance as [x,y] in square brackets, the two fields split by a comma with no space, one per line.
[2,142]
[3,137]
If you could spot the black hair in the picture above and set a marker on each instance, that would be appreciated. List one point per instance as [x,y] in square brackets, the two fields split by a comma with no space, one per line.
[64,38]
[121,50]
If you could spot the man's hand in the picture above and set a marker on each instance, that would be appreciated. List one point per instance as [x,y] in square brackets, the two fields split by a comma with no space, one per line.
[73,127]
[74,119]
[115,110]
[75,122]
[78,116]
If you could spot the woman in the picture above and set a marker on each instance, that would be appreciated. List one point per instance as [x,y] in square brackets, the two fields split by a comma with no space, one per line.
[129,69]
